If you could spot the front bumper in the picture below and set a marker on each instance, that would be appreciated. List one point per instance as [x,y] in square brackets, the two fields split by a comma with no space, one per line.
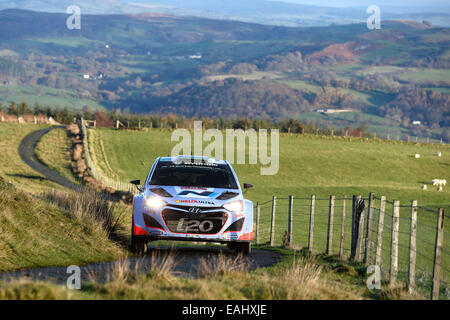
[177,223]
[151,237]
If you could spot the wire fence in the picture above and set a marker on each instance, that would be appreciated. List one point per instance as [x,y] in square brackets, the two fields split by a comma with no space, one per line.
[97,174]
[402,239]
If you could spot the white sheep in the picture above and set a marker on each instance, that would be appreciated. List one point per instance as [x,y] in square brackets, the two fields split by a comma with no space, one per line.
[439,183]
[424,187]
[439,188]
[417,156]
[439,154]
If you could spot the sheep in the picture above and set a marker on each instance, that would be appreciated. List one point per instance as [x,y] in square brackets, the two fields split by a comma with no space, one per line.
[424,187]
[440,183]
[439,154]
[417,156]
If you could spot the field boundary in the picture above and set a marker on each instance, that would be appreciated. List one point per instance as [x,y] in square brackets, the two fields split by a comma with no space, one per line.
[97,174]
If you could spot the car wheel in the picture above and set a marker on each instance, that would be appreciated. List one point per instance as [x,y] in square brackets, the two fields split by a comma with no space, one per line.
[138,244]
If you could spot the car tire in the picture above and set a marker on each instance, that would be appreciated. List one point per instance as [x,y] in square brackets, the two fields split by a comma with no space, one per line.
[138,244]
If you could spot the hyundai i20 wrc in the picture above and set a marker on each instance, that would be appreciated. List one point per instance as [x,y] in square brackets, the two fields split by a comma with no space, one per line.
[191,198]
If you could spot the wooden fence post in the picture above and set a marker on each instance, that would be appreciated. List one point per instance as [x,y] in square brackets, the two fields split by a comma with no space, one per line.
[272,226]
[380,231]
[438,255]
[412,248]
[342,238]
[258,213]
[353,240]
[368,244]
[290,221]
[360,233]
[394,243]
[330,226]
[311,223]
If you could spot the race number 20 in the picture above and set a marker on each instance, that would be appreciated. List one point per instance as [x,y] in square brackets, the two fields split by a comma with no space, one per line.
[193,226]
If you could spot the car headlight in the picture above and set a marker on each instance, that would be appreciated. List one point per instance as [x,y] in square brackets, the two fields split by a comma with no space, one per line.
[235,206]
[154,203]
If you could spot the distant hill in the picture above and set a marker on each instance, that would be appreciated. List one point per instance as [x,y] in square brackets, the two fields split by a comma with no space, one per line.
[233,98]
[18,24]
[153,62]
[257,11]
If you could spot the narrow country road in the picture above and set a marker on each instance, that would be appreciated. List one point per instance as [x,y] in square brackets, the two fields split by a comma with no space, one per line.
[187,261]
[28,155]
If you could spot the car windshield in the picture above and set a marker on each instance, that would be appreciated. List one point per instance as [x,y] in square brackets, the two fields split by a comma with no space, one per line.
[193,174]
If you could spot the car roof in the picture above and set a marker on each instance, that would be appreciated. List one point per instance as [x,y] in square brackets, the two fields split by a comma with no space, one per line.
[192,159]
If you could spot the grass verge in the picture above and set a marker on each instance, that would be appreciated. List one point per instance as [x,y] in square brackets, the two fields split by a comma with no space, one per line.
[54,151]
[36,232]
[12,168]
[300,275]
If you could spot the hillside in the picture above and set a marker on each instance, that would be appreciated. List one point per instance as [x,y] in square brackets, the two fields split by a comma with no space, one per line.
[162,63]
[271,12]
[37,232]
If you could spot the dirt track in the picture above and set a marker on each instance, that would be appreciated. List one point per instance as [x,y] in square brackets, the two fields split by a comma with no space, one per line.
[187,258]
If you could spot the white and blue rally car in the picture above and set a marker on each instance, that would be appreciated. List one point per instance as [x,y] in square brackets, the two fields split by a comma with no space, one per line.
[192,198]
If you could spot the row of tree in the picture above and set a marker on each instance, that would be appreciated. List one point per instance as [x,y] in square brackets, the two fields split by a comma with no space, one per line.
[171,121]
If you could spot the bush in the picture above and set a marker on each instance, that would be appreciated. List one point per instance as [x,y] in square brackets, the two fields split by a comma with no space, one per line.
[89,206]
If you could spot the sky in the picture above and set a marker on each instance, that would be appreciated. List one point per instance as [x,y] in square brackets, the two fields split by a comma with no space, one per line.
[391,3]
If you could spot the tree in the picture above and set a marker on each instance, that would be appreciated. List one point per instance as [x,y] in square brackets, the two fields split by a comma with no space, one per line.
[12,109]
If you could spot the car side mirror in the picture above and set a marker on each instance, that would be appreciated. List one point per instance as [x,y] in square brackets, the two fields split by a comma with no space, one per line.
[137,183]
[247,186]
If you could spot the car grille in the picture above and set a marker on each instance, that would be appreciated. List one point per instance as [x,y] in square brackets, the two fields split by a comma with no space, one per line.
[186,208]
[182,221]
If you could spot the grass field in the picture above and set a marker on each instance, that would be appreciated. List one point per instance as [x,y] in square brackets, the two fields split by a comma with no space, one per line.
[308,165]
[375,124]
[12,168]
[322,166]
[54,151]
[45,96]
[421,75]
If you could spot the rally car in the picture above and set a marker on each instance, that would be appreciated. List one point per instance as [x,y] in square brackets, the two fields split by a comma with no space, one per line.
[192,198]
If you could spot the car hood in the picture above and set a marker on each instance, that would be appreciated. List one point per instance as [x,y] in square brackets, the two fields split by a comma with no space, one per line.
[196,195]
